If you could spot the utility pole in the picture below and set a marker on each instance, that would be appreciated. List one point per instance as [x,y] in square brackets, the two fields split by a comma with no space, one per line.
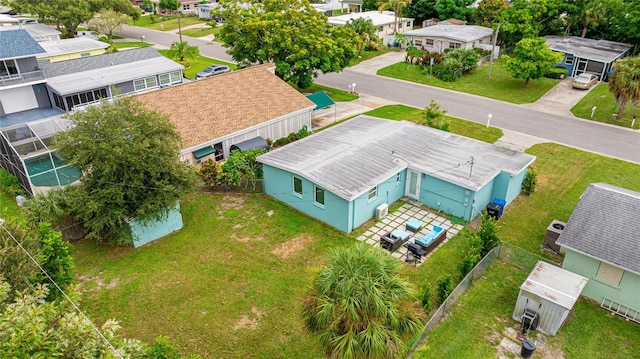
[179,27]
[471,162]
[493,47]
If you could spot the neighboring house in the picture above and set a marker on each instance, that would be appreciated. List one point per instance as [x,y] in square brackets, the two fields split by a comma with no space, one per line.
[69,49]
[452,22]
[191,6]
[351,5]
[341,174]
[587,55]
[205,10]
[6,20]
[34,95]
[87,79]
[384,21]
[438,37]
[601,241]
[214,114]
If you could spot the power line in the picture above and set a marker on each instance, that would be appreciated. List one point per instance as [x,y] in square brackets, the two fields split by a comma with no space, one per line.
[2,221]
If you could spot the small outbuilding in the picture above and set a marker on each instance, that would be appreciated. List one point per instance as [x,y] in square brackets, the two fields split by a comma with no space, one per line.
[547,297]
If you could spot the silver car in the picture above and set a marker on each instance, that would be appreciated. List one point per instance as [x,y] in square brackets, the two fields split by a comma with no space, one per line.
[212,70]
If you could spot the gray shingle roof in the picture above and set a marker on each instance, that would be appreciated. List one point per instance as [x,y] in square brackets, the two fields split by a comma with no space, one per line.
[18,43]
[604,225]
[52,69]
[356,155]
[597,50]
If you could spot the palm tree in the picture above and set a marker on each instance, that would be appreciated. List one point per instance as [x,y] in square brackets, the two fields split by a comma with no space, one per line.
[396,6]
[624,83]
[595,12]
[358,306]
[366,32]
[181,50]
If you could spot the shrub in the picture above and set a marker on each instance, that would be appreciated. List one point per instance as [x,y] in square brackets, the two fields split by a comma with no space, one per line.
[10,184]
[488,234]
[425,297]
[556,73]
[530,181]
[293,136]
[434,117]
[447,70]
[445,287]
[210,172]
[472,257]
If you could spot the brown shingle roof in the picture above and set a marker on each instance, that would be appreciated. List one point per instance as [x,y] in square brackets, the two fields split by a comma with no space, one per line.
[207,109]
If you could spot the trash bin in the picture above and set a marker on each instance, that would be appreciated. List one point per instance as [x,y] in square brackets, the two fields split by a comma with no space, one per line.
[500,202]
[494,210]
[528,347]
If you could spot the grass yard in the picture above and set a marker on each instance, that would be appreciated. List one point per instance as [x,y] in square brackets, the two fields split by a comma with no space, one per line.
[500,86]
[367,55]
[474,328]
[199,64]
[335,94]
[128,44]
[165,23]
[200,32]
[458,126]
[606,108]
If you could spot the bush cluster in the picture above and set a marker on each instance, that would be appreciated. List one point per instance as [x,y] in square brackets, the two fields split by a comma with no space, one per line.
[556,73]
[10,184]
[293,136]
[446,67]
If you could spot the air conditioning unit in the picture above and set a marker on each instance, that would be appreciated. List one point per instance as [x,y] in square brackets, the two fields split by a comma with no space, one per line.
[382,211]
[553,232]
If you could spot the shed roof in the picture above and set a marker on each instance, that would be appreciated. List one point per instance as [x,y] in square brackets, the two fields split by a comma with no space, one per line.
[225,104]
[554,284]
[16,43]
[40,32]
[74,66]
[70,46]
[101,77]
[604,225]
[378,18]
[350,158]
[464,33]
[597,50]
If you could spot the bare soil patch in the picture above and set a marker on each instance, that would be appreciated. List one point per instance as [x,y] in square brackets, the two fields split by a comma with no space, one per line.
[511,344]
[249,321]
[232,201]
[292,246]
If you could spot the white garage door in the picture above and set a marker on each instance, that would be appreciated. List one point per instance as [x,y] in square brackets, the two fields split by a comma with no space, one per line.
[18,99]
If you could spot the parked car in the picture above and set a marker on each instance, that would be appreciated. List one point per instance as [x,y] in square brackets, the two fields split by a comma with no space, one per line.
[212,70]
[584,81]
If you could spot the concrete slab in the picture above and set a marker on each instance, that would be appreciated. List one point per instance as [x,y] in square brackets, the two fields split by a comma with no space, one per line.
[560,99]
[371,66]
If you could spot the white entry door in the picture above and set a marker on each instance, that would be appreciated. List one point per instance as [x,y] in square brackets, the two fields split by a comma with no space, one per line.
[413,185]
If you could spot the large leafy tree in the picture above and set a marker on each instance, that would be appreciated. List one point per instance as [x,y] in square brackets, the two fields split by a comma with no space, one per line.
[68,14]
[358,306]
[488,12]
[624,83]
[107,22]
[453,9]
[289,33]
[171,5]
[624,24]
[594,14]
[366,32]
[531,59]
[130,168]
[527,18]
[421,10]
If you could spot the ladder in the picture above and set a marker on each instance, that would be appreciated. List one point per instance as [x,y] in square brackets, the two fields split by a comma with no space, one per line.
[621,310]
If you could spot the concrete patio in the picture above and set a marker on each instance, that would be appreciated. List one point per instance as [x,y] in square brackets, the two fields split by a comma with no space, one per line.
[399,218]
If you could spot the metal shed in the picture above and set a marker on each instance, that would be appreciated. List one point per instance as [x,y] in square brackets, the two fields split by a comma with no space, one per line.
[256,142]
[547,297]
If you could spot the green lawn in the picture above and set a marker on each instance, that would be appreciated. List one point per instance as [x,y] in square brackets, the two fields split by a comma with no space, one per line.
[500,86]
[367,55]
[606,108]
[200,63]
[474,328]
[458,126]
[200,32]
[165,23]
[335,94]
[127,44]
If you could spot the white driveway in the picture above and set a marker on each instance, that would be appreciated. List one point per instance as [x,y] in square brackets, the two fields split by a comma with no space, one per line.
[560,99]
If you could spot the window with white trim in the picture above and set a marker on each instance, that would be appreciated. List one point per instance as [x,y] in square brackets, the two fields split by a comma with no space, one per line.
[146,83]
[297,186]
[318,196]
[609,274]
[428,42]
[568,60]
[454,45]
[373,193]
[170,78]
[418,43]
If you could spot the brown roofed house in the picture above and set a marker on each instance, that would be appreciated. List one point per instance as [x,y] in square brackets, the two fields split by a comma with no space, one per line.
[246,106]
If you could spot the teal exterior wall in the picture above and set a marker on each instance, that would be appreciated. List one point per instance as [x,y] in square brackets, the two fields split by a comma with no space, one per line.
[628,293]
[389,191]
[483,197]
[336,211]
[446,197]
[515,186]
[145,232]
[501,186]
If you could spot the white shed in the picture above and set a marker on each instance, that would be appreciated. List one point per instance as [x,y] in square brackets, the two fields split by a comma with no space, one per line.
[547,297]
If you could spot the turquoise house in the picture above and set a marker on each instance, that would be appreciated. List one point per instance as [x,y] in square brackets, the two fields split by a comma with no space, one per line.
[145,232]
[342,174]
[601,241]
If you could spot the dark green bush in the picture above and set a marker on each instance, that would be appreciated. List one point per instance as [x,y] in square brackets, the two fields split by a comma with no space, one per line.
[556,73]
[445,287]
[425,297]
[530,181]
[10,184]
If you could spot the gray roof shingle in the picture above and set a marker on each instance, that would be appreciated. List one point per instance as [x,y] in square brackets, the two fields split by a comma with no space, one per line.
[465,33]
[356,155]
[597,50]
[53,69]
[18,43]
[604,225]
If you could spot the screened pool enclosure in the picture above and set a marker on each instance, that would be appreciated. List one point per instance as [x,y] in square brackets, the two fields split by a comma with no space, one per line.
[25,153]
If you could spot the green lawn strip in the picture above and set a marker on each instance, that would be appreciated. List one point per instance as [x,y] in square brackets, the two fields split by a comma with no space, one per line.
[335,94]
[563,175]
[501,85]
[606,108]
[458,126]
[201,32]
[8,206]
[367,55]
[199,64]
[166,23]
[228,284]
[127,44]
[474,327]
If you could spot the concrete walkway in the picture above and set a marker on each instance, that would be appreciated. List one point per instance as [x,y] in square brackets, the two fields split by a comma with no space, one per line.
[371,66]
[560,99]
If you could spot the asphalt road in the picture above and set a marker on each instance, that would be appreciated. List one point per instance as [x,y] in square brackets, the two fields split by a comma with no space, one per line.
[591,136]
